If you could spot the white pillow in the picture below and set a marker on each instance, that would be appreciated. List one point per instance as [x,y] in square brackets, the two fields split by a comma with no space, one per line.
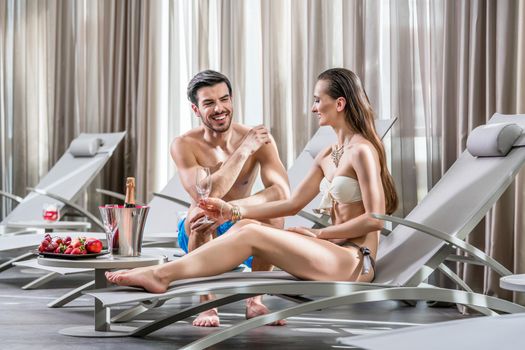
[85,147]
[493,140]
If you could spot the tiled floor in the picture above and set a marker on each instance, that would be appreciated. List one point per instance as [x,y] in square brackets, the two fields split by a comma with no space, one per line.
[26,322]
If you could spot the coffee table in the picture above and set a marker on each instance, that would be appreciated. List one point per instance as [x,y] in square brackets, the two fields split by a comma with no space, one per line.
[102,264]
[513,282]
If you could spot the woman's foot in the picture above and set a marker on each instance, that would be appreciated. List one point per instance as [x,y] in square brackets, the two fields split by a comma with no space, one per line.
[209,318]
[146,278]
[255,307]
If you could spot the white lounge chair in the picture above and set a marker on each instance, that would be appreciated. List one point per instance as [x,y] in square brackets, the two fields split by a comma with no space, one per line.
[416,247]
[72,173]
[480,333]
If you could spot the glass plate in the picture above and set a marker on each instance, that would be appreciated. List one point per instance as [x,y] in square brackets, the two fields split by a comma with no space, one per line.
[71,256]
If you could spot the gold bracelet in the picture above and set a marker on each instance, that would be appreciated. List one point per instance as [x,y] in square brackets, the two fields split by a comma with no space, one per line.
[236,213]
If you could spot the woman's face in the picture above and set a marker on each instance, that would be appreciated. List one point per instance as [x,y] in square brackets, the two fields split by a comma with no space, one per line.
[324,106]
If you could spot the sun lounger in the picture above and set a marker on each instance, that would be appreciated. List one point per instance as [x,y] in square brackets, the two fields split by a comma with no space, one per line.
[480,333]
[416,247]
[72,173]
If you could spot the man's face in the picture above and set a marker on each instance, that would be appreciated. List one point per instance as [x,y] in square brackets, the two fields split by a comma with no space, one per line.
[214,107]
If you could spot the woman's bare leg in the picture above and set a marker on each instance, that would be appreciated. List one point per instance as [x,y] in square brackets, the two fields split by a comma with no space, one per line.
[301,256]
[147,278]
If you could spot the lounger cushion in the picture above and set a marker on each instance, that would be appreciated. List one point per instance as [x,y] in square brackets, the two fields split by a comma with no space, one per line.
[493,140]
[85,147]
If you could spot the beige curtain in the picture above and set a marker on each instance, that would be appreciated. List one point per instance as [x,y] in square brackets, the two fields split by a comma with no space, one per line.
[293,41]
[80,66]
[454,64]
[117,83]
[483,71]
[27,68]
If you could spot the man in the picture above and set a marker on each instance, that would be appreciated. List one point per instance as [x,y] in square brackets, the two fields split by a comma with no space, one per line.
[234,153]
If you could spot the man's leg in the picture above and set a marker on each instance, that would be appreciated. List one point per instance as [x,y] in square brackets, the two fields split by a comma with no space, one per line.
[255,306]
[197,238]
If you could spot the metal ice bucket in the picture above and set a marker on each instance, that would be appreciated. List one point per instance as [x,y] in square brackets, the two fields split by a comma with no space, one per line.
[130,226]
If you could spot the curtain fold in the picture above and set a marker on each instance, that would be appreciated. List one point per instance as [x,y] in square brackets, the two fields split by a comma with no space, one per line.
[27,100]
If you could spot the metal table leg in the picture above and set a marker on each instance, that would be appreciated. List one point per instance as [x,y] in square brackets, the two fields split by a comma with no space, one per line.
[103,326]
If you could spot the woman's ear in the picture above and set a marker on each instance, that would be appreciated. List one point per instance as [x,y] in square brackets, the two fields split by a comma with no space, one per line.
[340,104]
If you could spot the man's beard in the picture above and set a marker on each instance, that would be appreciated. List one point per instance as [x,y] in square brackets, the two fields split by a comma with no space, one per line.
[220,129]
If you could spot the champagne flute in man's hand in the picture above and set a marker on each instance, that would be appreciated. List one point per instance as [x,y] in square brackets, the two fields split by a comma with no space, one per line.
[203,186]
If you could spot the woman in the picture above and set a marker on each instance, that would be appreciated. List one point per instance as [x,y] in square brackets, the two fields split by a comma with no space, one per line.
[355,183]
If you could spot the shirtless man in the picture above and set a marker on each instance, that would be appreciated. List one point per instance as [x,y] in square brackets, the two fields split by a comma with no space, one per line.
[234,153]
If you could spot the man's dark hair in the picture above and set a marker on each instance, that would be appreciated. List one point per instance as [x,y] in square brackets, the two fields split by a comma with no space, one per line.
[206,78]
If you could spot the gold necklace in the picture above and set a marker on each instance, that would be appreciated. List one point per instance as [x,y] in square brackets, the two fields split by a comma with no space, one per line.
[337,153]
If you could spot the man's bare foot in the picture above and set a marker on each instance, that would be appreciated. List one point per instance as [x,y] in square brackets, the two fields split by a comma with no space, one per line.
[255,307]
[141,277]
[209,318]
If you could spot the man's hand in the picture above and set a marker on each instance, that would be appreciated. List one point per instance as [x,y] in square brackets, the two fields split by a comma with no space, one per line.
[310,232]
[201,226]
[256,138]
[198,225]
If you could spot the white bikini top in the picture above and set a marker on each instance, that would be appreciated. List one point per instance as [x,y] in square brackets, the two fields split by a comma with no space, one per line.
[342,189]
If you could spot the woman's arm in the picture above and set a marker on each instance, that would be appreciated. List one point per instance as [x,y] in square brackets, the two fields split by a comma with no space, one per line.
[369,176]
[304,193]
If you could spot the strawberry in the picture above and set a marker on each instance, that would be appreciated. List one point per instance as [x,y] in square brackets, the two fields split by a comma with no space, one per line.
[68,250]
[79,250]
[93,245]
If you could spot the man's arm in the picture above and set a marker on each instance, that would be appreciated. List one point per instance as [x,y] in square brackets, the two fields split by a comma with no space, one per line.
[273,176]
[224,178]
[186,162]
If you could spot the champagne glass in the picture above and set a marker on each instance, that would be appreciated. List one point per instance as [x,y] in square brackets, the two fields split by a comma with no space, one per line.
[203,186]
[109,219]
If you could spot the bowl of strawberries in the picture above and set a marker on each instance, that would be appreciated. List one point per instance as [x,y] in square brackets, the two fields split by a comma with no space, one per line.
[70,248]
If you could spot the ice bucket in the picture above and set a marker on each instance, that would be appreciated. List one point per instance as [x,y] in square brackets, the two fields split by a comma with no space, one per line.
[130,229]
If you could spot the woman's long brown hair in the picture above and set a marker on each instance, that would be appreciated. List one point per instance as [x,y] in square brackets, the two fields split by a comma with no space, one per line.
[360,117]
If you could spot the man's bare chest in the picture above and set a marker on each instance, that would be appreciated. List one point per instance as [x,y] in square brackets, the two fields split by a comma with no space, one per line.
[215,159]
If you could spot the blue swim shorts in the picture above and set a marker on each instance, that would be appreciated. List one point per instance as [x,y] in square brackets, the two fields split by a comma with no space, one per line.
[183,237]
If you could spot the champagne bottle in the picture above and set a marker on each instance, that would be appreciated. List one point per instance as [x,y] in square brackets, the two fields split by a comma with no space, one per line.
[129,202]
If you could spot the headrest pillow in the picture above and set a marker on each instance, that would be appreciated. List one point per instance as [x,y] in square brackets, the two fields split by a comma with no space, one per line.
[85,147]
[493,140]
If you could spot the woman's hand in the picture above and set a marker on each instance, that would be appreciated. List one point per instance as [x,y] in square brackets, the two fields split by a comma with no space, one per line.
[310,232]
[216,208]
